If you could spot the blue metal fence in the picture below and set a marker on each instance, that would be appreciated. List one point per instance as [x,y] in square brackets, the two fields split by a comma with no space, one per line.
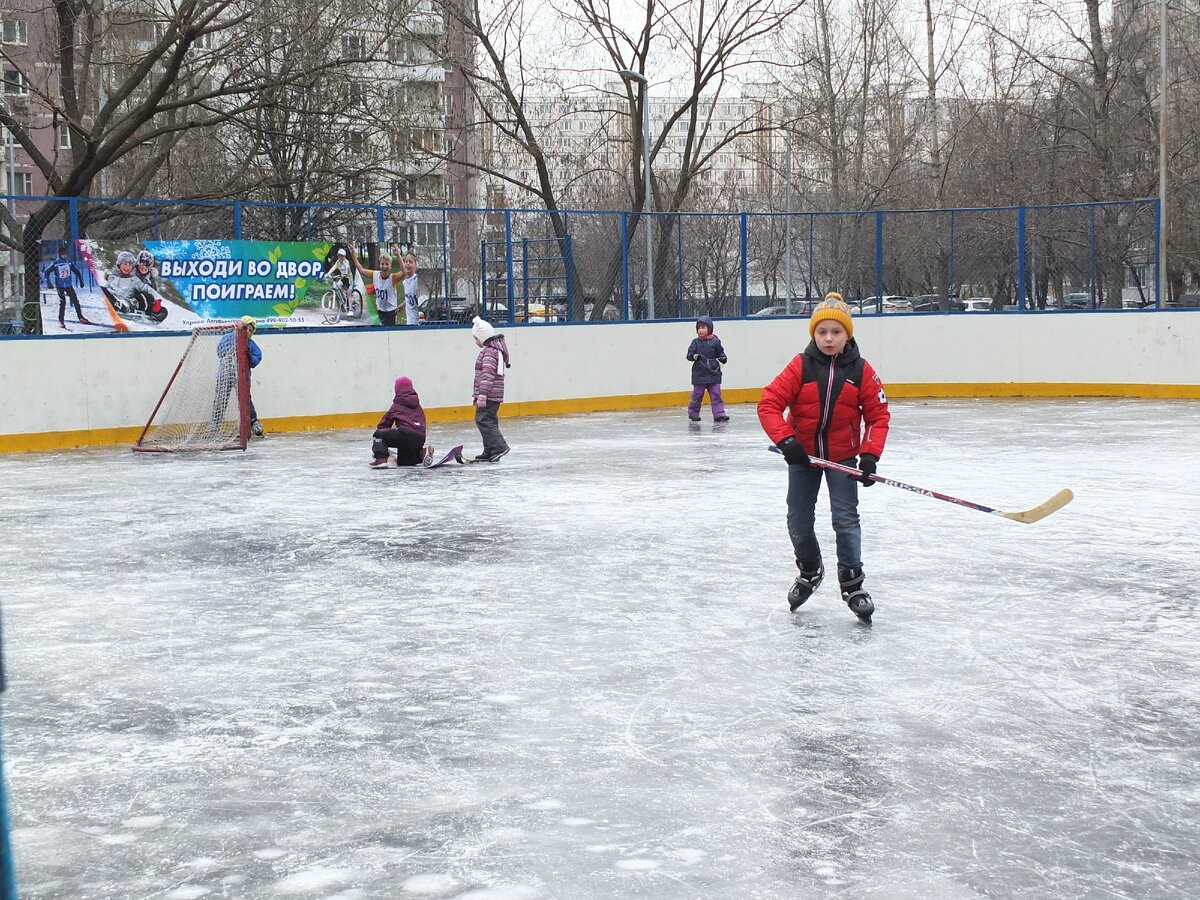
[587,265]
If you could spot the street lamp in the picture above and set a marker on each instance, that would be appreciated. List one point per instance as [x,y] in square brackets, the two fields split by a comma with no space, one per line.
[787,222]
[1162,153]
[645,85]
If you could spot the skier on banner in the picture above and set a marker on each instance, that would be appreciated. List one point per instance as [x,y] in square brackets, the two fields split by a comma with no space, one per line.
[58,276]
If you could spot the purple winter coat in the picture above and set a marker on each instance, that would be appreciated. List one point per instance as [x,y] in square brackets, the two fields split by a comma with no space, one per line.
[405,413]
[489,369]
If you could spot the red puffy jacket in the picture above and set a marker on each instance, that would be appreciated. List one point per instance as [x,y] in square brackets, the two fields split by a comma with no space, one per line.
[827,399]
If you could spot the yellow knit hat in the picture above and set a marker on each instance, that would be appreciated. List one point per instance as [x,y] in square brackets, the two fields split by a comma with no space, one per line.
[832,307]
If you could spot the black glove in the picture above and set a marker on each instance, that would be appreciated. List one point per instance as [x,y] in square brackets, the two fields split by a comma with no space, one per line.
[793,452]
[866,465]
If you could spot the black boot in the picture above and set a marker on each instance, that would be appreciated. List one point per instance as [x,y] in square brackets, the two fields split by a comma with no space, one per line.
[856,598]
[812,571]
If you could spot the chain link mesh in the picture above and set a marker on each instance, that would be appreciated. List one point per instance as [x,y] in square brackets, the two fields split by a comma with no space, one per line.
[542,266]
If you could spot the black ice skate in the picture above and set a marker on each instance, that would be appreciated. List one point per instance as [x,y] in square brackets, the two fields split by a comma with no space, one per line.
[811,574]
[856,598]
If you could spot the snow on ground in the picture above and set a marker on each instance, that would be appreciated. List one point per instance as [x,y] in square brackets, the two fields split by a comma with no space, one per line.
[573,674]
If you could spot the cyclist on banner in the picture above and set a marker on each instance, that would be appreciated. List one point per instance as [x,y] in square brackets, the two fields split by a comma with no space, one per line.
[129,294]
[383,283]
[339,271]
[58,276]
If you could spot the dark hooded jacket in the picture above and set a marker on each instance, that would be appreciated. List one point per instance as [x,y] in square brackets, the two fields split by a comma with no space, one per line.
[707,356]
[405,413]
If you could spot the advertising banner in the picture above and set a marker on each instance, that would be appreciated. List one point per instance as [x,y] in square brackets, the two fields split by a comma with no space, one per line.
[104,286]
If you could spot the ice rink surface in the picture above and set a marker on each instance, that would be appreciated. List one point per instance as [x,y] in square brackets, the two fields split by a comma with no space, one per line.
[573,674]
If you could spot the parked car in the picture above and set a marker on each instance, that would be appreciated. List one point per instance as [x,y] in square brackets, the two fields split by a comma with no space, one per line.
[541,311]
[609,313]
[890,303]
[436,309]
[1183,301]
[495,312]
[461,310]
[978,304]
[795,308]
[933,303]
[1077,301]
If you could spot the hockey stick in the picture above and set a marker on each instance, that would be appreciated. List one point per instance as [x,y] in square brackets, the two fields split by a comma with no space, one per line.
[1027,516]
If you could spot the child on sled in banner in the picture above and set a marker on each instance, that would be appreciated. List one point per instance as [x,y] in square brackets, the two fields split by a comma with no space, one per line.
[402,428]
[827,391]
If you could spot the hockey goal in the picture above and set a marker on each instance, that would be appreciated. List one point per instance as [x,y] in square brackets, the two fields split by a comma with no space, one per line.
[206,403]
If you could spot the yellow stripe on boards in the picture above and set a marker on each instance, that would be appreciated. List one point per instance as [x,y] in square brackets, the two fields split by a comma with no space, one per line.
[109,437]
[68,440]
[1045,389]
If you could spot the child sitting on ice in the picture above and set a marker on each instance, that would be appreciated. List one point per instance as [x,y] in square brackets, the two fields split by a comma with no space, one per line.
[403,429]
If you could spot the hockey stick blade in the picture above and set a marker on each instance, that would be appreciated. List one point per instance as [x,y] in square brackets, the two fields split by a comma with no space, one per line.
[1027,516]
[1054,504]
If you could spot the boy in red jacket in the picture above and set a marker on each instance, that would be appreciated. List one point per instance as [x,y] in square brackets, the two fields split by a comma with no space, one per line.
[828,390]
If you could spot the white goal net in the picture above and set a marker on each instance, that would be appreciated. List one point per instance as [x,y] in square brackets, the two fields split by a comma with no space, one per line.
[206,403]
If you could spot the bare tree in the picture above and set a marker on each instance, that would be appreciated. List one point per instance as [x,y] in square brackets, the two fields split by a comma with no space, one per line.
[712,42]
[847,108]
[716,47]
[1102,116]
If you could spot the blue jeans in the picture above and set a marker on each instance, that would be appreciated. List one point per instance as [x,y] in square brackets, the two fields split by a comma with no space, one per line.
[804,483]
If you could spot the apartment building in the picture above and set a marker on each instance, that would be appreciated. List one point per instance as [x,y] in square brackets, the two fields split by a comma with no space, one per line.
[586,138]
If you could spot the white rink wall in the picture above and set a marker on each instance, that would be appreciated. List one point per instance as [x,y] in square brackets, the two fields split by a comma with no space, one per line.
[70,392]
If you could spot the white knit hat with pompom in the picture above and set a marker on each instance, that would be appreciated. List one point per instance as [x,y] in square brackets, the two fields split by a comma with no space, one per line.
[482,330]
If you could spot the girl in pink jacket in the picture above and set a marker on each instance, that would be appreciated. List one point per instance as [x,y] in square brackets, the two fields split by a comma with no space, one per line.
[489,388]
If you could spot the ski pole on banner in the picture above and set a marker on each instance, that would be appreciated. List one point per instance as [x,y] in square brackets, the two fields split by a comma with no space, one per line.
[1027,516]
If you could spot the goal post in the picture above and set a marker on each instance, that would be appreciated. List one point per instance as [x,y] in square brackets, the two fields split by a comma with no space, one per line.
[206,403]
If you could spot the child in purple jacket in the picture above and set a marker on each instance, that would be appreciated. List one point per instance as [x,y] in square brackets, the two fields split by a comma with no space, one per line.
[706,355]
[489,388]
[403,428]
